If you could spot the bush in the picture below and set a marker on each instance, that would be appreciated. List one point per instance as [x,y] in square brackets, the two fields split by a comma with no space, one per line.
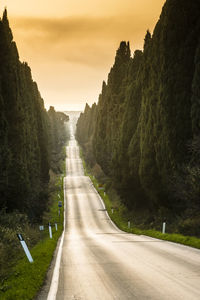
[190,227]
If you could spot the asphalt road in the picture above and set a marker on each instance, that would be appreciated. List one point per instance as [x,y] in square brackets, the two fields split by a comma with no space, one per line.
[101,262]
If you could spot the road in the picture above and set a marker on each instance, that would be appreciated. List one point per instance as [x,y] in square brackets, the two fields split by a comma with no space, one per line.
[100,262]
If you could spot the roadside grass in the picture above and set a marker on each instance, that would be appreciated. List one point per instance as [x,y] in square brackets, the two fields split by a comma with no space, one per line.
[116,213]
[26,278]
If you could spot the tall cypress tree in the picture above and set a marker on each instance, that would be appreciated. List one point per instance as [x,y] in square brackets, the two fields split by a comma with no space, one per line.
[24,133]
[147,113]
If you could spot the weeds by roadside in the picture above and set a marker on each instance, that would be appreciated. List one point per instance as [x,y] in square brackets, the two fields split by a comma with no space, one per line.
[19,279]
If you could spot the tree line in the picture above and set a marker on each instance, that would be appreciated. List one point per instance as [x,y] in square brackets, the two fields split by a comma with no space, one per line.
[31,139]
[144,132]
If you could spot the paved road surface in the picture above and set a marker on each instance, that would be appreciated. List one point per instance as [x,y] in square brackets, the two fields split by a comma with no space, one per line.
[101,262]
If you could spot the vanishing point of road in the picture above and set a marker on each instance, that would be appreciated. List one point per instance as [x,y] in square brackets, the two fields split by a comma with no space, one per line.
[100,262]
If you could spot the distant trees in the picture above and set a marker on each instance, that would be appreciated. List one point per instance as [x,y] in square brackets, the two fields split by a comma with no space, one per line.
[26,134]
[147,117]
[86,124]
[57,137]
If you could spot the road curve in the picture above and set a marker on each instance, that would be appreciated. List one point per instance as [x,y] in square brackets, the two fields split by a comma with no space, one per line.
[100,262]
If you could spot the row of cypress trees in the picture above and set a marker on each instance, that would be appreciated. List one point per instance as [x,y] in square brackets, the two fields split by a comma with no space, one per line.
[145,130]
[29,135]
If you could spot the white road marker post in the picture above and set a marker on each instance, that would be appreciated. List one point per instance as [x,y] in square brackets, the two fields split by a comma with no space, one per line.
[112,210]
[56,226]
[163,227]
[129,224]
[50,231]
[26,250]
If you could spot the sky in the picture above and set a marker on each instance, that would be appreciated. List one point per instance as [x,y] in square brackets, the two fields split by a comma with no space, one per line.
[70,45]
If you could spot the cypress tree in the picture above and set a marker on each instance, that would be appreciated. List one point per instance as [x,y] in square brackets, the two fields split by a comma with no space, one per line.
[148,112]
[24,134]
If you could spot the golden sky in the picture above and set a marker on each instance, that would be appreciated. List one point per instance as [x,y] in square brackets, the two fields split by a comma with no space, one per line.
[70,45]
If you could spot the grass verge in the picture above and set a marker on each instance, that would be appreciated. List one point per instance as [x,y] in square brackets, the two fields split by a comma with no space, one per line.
[117,216]
[27,278]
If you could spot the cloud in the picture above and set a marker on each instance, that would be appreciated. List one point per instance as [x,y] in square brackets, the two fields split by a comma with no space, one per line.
[70,57]
[82,40]
[74,27]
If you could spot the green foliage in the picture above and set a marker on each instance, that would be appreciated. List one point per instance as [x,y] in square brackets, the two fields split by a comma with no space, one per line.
[31,139]
[31,148]
[85,132]
[58,135]
[18,278]
[23,132]
[27,278]
[195,111]
[147,118]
